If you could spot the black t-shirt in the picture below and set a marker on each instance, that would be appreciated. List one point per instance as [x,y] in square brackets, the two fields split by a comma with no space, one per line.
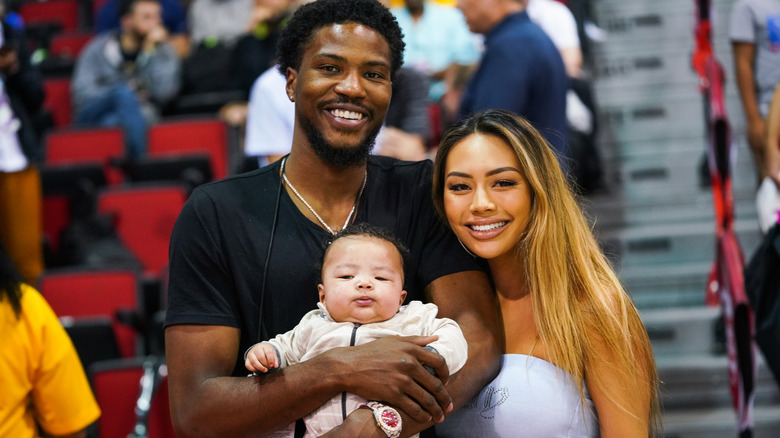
[220,242]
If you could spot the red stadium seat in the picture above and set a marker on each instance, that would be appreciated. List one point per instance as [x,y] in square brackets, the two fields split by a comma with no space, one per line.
[87,145]
[68,45]
[84,294]
[118,387]
[191,137]
[63,12]
[56,217]
[58,100]
[144,218]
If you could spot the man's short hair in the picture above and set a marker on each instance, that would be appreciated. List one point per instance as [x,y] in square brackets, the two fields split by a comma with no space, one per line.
[310,18]
[126,6]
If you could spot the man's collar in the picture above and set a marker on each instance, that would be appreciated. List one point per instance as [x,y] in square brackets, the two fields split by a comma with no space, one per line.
[506,22]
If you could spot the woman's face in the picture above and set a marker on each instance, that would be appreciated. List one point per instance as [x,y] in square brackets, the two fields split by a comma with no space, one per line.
[486,197]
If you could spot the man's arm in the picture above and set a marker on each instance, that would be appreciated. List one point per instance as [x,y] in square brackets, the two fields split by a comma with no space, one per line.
[744,68]
[206,402]
[773,138]
[468,298]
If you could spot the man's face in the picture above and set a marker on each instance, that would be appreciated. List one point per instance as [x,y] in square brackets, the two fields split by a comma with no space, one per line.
[481,15]
[341,90]
[144,16]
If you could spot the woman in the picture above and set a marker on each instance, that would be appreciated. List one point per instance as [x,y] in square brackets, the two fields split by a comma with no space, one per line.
[577,359]
[44,388]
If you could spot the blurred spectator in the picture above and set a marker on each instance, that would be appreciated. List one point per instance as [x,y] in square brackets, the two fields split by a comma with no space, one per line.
[255,52]
[173,15]
[406,129]
[438,43]
[9,12]
[773,138]
[21,99]
[755,38]
[45,390]
[558,22]
[124,78]
[219,21]
[521,70]
[271,116]
[215,27]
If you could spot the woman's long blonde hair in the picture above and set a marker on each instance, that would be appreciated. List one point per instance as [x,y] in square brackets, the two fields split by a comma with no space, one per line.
[574,291]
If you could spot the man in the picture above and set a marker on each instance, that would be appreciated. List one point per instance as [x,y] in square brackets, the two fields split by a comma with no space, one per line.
[124,78]
[559,24]
[173,17]
[754,32]
[438,43]
[244,252]
[521,70]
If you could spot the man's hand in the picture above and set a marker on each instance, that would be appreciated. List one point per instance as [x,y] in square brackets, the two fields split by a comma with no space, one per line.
[391,370]
[9,62]
[155,36]
[402,145]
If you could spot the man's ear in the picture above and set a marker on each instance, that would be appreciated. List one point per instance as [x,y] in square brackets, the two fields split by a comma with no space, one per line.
[292,79]
[321,290]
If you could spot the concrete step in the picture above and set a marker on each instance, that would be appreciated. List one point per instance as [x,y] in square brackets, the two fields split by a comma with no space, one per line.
[608,211]
[643,113]
[720,423]
[642,21]
[673,177]
[671,244]
[682,330]
[698,381]
[663,287]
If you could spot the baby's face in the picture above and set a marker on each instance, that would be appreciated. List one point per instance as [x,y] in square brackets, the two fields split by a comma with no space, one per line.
[362,280]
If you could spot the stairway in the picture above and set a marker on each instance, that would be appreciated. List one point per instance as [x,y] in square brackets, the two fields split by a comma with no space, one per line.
[655,219]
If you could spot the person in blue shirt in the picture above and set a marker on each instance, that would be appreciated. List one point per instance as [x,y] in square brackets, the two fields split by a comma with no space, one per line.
[521,70]
[174,17]
[438,42]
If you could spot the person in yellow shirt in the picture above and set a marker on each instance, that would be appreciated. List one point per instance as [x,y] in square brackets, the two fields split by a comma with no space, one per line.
[44,388]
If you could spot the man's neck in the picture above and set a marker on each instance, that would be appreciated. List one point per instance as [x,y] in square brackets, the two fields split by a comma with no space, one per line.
[416,12]
[323,182]
[506,9]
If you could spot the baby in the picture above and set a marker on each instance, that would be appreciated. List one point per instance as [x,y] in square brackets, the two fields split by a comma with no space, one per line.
[361,297]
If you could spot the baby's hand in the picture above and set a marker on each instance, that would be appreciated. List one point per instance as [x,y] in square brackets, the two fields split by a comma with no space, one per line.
[261,358]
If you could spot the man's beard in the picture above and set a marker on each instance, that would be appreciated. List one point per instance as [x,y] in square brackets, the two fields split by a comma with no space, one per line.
[339,156]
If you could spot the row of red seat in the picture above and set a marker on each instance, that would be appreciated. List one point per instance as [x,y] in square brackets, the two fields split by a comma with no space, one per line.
[90,302]
[144,214]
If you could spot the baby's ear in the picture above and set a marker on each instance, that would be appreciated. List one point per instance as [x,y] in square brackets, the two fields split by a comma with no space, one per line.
[403,296]
[321,290]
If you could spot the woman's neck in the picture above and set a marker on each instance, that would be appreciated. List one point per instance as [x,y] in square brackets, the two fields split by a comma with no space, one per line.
[508,273]
[520,332]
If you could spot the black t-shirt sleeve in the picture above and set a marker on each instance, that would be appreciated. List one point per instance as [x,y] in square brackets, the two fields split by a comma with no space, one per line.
[200,289]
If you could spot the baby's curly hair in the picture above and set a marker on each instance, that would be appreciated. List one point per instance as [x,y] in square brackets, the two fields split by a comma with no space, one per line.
[311,17]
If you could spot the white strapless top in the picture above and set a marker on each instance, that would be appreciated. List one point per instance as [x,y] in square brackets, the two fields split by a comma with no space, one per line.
[530,398]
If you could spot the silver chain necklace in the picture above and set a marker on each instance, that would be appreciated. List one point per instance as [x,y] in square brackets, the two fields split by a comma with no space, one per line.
[351,212]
